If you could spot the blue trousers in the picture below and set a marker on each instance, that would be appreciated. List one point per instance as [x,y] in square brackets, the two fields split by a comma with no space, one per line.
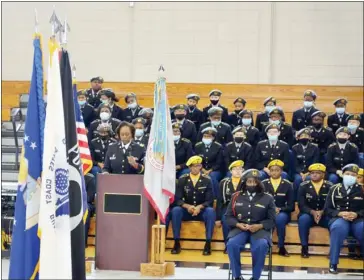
[259,249]
[333,178]
[179,214]
[264,175]
[182,172]
[297,180]
[282,219]
[225,227]
[215,178]
[305,222]
[339,231]
[361,160]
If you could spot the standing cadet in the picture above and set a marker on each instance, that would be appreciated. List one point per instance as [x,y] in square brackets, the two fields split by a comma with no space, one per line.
[107,97]
[338,119]
[212,155]
[223,135]
[263,117]
[357,136]
[104,113]
[88,112]
[215,96]
[339,154]
[193,113]
[311,200]
[188,127]
[251,215]
[228,187]
[345,209]
[193,202]
[252,133]
[183,150]
[234,118]
[268,150]
[141,137]
[132,110]
[147,114]
[282,191]
[93,93]
[302,117]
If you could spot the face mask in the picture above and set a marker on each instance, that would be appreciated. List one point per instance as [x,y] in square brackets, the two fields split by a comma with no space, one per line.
[342,140]
[247,122]
[207,141]
[180,117]
[237,111]
[276,122]
[215,123]
[104,116]
[104,137]
[105,101]
[352,126]
[81,102]
[132,105]
[304,142]
[251,189]
[176,138]
[239,139]
[214,102]
[191,107]
[348,180]
[273,138]
[139,132]
[269,108]
[340,110]
[307,104]
[317,125]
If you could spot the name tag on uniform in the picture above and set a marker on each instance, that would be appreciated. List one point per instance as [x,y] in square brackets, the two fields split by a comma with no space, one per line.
[324,194]
[308,195]
[299,120]
[113,157]
[97,150]
[281,194]
[264,152]
[338,196]
[239,204]
[358,198]
[259,205]
[202,188]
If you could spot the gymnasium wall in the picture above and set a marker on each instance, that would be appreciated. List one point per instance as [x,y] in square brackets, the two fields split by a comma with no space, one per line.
[308,43]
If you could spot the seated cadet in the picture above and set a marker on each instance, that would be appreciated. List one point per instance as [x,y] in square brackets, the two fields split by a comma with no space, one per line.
[234,118]
[183,150]
[88,112]
[93,94]
[193,113]
[302,117]
[322,136]
[132,110]
[91,194]
[357,136]
[305,153]
[311,200]
[193,202]
[141,137]
[125,156]
[360,178]
[286,132]
[338,119]
[223,135]
[263,117]
[99,146]
[228,187]
[104,113]
[188,127]
[339,154]
[107,97]
[362,120]
[213,158]
[345,209]
[282,192]
[251,216]
[215,96]
[268,150]
[147,114]
[252,133]
[238,150]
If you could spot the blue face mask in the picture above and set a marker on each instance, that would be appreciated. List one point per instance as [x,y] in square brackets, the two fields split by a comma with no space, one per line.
[340,110]
[139,132]
[207,141]
[352,126]
[348,180]
[81,102]
[105,101]
[269,108]
[277,122]
[247,121]
[307,104]
[176,138]
[273,138]
[215,123]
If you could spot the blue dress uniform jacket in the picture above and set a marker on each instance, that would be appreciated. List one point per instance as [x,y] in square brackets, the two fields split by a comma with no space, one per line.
[263,120]
[223,135]
[130,114]
[283,196]
[226,192]
[334,122]
[286,134]
[225,114]
[93,98]
[362,120]
[189,131]
[252,136]
[117,112]
[88,114]
[244,152]
[98,149]
[302,118]
[323,138]
[142,140]
[183,151]
[259,210]
[196,116]
[337,158]
[212,156]
[116,161]
[93,127]
[264,154]
[358,139]
[305,157]
[235,120]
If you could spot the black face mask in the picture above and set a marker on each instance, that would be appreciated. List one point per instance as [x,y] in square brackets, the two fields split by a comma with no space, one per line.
[214,102]
[304,142]
[104,137]
[342,140]
[237,111]
[317,125]
[239,140]
[180,117]
[251,189]
[191,107]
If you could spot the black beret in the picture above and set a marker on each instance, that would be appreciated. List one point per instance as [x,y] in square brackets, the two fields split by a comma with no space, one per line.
[131,94]
[240,100]
[270,99]
[351,167]
[97,79]
[318,113]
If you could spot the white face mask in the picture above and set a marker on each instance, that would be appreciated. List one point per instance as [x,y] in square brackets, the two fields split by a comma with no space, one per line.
[340,110]
[139,132]
[269,108]
[352,127]
[104,116]
[207,141]
[247,122]
[132,105]
[176,138]
[348,180]
[307,104]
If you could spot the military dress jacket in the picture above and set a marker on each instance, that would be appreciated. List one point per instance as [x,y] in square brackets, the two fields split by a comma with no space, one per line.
[98,149]
[337,158]
[244,152]
[227,189]
[283,196]
[265,153]
[304,157]
[223,135]
[212,156]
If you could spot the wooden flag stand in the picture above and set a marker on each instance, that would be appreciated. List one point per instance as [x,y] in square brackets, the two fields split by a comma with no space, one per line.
[157,266]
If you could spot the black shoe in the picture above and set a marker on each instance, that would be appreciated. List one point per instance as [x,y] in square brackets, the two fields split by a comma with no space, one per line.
[283,252]
[225,250]
[176,248]
[333,269]
[239,278]
[304,252]
[207,249]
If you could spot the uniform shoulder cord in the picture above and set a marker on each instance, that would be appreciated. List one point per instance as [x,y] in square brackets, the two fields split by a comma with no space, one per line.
[233,202]
[333,195]
[224,190]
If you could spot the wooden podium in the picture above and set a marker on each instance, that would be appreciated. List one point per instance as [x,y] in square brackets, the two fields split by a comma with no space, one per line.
[124,218]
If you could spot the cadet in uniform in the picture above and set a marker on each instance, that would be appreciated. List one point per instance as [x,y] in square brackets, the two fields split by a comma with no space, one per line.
[340,153]
[99,146]
[345,209]
[282,191]
[125,156]
[93,94]
[338,119]
[268,150]
[91,194]
[183,150]
[188,127]
[107,97]
[223,135]
[305,153]
[141,137]
[252,133]
[194,201]
[132,110]
[215,96]
[88,112]
[105,117]
[238,150]
[302,117]
[251,215]
[263,117]
[362,120]
[228,187]
[311,200]
[212,155]
[360,178]
[357,136]
[234,118]
[193,113]
[147,114]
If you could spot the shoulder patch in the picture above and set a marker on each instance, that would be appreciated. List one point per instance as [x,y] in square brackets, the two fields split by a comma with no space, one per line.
[186,140]
[217,143]
[305,182]
[230,143]
[332,144]
[113,144]
[184,175]
[314,144]
[189,121]
[353,145]
[198,143]
[206,176]
[360,129]
[287,181]
[328,128]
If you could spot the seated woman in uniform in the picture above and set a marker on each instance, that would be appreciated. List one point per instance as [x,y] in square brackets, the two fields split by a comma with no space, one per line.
[125,156]
[345,209]
[282,191]
[147,114]
[228,187]
[141,137]
[104,113]
[312,195]
[251,215]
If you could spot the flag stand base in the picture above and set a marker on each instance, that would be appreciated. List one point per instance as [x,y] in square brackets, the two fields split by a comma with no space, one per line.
[158,267]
